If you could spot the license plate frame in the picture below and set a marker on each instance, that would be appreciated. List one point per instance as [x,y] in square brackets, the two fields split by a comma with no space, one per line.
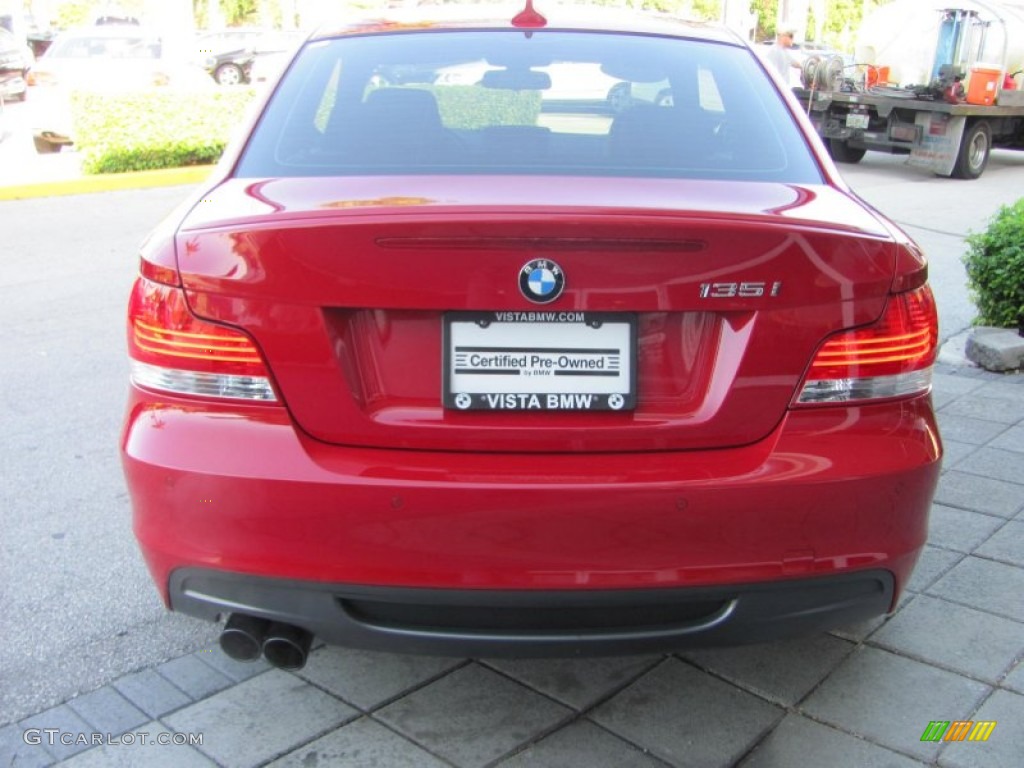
[539,361]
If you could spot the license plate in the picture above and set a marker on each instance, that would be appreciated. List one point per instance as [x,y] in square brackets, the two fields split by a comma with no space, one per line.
[857,120]
[539,361]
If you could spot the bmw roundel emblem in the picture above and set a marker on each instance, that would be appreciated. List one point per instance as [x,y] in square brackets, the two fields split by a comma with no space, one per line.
[541,281]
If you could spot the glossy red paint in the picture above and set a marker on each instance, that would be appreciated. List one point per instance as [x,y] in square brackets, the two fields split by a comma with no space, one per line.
[843,488]
[357,476]
[344,291]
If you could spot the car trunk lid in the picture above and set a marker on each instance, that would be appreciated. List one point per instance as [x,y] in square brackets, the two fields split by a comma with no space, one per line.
[346,284]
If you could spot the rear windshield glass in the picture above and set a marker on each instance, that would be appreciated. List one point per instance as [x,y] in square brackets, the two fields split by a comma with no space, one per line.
[129,46]
[548,102]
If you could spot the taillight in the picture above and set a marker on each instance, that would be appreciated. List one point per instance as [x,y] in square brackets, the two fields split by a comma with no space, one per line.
[41,77]
[890,358]
[174,351]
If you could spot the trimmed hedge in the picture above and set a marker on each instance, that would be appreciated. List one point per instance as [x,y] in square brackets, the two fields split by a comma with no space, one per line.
[471,107]
[117,132]
[995,268]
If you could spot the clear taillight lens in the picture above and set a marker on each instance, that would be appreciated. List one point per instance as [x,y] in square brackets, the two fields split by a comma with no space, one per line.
[174,351]
[891,358]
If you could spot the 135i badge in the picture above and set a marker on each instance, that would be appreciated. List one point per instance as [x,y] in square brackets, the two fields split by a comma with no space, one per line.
[541,281]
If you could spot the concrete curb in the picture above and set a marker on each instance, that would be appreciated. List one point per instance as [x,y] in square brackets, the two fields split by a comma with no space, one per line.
[107,183]
[995,349]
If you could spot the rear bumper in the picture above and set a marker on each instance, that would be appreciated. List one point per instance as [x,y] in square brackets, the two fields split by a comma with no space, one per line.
[229,497]
[539,623]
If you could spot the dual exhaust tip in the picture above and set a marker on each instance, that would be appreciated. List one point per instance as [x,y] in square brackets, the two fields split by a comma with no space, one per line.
[246,638]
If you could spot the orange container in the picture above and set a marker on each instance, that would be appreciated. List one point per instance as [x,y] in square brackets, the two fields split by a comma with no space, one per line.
[877,75]
[981,88]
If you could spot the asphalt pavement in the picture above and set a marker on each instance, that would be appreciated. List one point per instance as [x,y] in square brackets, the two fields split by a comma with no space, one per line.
[87,651]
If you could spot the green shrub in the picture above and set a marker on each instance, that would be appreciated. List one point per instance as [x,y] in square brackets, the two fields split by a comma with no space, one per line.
[165,128]
[995,268]
[471,107]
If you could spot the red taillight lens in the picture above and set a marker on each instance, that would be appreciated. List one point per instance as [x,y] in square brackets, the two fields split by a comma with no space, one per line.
[174,350]
[891,358]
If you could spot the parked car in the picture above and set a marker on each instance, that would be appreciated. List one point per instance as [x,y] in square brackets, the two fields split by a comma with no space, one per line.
[234,64]
[106,57]
[229,67]
[15,61]
[458,369]
[226,55]
[270,54]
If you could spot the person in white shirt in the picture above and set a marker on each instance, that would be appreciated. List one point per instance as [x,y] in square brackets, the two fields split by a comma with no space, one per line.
[779,56]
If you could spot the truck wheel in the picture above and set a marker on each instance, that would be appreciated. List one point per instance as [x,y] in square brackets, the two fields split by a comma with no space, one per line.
[974,149]
[842,152]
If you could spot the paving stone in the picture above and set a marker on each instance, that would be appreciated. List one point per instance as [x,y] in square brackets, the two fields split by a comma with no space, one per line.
[1006,387]
[576,682]
[953,636]
[802,742]
[15,752]
[260,718]
[959,529]
[982,494]
[69,726]
[369,679]
[196,679]
[1006,409]
[890,699]
[1011,440]
[473,716]
[582,744]
[151,693]
[784,672]
[954,453]
[362,744]
[967,430]
[930,566]
[984,584]
[686,717]
[108,711]
[1015,680]
[151,754]
[860,631]
[1004,748]
[999,465]
[1007,544]
[236,671]
[948,387]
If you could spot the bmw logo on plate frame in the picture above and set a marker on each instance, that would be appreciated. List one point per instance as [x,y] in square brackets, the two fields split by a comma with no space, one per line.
[541,281]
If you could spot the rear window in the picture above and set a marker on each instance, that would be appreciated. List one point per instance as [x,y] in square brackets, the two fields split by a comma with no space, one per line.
[547,102]
[129,46]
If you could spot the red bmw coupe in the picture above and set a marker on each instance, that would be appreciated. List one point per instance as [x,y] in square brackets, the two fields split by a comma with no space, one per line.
[498,365]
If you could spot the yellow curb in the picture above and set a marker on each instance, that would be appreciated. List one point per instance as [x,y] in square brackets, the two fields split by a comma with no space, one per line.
[108,182]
